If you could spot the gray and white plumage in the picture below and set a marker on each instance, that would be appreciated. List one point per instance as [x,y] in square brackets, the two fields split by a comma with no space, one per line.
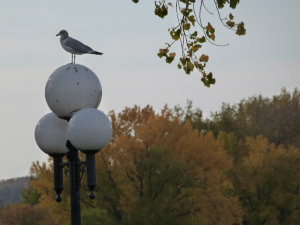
[74,46]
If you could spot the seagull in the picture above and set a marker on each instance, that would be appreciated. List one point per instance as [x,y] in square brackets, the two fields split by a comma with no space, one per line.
[74,46]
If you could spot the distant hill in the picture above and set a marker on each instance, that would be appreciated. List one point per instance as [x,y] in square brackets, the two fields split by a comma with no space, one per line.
[10,190]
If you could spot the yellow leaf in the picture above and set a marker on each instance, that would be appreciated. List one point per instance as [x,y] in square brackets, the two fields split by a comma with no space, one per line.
[192,19]
[230,23]
[204,58]
[209,27]
[163,51]
[190,65]
[196,48]
[172,54]
[186,26]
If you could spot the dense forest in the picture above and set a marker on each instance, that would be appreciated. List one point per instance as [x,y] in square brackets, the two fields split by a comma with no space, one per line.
[239,166]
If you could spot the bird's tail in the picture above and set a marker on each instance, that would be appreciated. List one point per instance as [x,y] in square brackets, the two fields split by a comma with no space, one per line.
[97,53]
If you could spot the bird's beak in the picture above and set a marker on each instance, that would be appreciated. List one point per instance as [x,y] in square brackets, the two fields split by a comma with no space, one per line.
[58,34]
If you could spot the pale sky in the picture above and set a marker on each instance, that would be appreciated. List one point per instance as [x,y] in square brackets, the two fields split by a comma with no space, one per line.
[262,62]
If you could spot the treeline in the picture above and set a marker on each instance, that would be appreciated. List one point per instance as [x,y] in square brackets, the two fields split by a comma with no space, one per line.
[240,166]
[10,190]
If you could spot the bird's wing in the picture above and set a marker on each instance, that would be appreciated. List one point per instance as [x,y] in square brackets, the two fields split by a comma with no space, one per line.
[77,46]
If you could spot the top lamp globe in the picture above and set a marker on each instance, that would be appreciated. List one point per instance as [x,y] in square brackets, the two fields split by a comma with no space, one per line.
[71,88]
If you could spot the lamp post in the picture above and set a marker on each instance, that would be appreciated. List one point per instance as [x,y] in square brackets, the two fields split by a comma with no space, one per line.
[73,93]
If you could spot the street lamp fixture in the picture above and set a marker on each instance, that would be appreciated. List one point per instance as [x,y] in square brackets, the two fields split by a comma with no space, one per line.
[73,93]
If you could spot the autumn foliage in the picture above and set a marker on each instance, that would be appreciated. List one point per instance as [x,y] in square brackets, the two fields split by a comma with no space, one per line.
[174,167]
[191,33]
[166,172]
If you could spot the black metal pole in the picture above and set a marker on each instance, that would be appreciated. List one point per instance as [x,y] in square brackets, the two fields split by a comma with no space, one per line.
[74,174]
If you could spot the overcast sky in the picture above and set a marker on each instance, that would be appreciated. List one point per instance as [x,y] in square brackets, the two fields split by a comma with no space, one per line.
[262,62]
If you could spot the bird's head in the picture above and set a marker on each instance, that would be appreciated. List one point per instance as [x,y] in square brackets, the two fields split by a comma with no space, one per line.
[63,33]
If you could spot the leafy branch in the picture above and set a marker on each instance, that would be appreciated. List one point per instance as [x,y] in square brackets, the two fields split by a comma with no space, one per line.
[185,32]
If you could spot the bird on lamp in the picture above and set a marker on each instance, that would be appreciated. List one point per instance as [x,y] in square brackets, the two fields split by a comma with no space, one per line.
[74,46]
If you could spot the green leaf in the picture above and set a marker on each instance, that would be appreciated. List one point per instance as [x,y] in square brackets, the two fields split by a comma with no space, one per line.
[200,66]
[175,34]
[178,32]
[169,59]
[205,82]
[160,55]
[183,61]
[175,37]
[186,12]
[187,70]
[209,76]
[208,82]
[194,34]
[161,11]
[241,29]
[221,3]
[233,3]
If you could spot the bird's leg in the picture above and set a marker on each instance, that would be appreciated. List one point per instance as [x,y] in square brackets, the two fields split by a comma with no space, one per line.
[71,58]
[74,58]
